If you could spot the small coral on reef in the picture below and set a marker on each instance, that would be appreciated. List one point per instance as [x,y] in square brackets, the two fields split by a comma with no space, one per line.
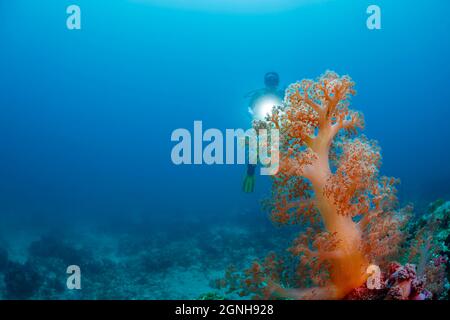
[428,247]
[329,183]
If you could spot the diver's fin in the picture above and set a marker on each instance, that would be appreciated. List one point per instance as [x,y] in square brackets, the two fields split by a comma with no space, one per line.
[249,183]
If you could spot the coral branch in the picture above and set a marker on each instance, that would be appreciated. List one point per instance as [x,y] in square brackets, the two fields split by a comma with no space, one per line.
[314,114]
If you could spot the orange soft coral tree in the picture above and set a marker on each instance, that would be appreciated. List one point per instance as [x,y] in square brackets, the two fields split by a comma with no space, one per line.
[328,181]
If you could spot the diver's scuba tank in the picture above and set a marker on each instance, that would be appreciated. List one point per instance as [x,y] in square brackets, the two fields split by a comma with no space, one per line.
[249,180]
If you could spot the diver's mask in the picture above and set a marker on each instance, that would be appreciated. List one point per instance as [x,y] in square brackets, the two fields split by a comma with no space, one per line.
[271,80]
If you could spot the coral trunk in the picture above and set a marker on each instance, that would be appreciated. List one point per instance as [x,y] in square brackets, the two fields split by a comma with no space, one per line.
[347,260]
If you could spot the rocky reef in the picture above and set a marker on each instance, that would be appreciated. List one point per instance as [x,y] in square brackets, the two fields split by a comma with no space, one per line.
[176,262]
[121,265]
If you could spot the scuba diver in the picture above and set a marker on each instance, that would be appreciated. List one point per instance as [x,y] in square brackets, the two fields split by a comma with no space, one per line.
[261,102]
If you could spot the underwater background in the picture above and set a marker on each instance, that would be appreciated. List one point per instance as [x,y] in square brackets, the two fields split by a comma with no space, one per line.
[86,118]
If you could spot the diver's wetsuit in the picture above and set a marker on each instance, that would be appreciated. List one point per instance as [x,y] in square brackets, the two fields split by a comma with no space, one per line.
[249,181]
[251,169]
[270,89]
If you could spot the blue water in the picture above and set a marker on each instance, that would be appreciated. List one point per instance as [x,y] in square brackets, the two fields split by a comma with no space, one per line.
[86,115]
